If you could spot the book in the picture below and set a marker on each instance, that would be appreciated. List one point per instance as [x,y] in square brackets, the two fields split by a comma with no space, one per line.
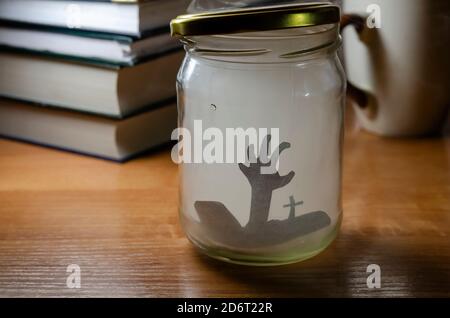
[99,88]
[122,17]
[111,48]
[112,139]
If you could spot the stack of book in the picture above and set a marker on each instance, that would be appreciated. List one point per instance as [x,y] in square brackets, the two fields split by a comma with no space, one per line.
[93,77]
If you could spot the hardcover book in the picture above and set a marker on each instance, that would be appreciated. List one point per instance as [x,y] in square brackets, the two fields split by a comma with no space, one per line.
[100,88]
[89,45]
[112,139]
[122,17]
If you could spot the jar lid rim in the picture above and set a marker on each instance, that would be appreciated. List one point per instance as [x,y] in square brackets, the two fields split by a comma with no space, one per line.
[255,19]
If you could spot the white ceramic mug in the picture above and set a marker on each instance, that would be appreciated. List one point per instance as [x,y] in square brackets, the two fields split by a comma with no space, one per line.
[403,67]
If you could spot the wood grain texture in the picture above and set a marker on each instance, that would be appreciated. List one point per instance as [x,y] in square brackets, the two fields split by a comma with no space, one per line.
[120,224]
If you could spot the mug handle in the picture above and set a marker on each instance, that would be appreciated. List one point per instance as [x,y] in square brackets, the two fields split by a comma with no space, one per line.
[358,95]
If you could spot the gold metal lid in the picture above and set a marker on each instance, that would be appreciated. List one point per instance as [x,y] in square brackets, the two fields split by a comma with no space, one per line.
[255,19]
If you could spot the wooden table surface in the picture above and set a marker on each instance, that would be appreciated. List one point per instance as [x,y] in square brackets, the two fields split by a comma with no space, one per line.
[119,223]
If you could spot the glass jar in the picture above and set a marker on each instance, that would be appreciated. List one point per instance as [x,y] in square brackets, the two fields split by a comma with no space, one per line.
[261,104]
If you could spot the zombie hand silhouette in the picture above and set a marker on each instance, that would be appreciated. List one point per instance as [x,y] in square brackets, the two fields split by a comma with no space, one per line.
[263,184]
[254,172]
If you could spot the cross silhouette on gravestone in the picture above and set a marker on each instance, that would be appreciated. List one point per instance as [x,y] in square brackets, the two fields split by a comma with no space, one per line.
[292,204]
